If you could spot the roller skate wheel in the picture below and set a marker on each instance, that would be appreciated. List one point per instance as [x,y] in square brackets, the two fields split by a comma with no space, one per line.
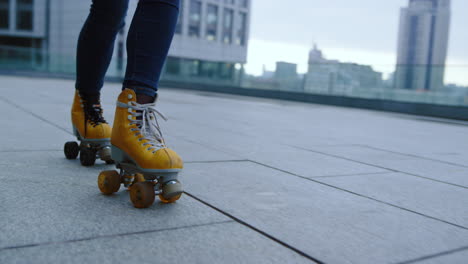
[71,150]
[142,194]
[109,182]
[87,157]
[170,200]
[171,192]
[139,178]
[105,154]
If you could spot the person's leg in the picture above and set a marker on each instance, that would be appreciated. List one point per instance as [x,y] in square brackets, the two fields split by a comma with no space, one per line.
[95,47]
[137,141]
[96,43]
[149,38]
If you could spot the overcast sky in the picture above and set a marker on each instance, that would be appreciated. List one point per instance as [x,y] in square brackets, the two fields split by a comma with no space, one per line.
[362,31]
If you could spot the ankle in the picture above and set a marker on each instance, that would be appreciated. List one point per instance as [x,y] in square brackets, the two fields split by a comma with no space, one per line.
[90,98]
[145,93]
[144,99]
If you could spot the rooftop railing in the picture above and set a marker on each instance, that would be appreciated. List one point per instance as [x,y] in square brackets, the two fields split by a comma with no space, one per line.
[346,80]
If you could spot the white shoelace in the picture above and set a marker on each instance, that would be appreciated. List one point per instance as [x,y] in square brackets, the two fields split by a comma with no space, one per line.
[148,125]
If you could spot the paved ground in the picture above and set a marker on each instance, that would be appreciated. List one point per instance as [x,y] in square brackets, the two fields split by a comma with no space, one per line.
[266,181]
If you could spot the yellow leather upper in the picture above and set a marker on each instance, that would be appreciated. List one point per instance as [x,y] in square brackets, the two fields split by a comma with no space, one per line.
[87,131]
[127,141]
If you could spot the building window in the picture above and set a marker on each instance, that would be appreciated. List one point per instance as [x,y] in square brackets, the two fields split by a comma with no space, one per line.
[212,22]
[193,67]
[226,71]
[208,69]
[195,18]
[241,33]
[227,25]
[244,3]
[173,66]
[229,2]
[4,13]
[180,20]
[24,14]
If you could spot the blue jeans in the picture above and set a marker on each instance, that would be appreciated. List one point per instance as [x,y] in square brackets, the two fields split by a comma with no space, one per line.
[148,41]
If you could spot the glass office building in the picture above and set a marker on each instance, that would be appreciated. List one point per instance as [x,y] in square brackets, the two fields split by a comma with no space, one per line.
[210,42]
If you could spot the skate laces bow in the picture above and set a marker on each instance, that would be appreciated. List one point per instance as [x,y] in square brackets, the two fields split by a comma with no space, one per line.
[148,125]
[91,105]
[93,113]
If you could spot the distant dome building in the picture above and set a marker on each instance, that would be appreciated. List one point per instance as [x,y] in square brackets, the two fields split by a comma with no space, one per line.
[315,55]
[333,77]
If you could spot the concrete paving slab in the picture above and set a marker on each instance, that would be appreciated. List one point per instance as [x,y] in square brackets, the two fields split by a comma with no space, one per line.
[454,258]
[23,131]
[309,164]
[192,152]
[438,200]
[301,162]
[52,104]
[48,166]
[46,198]
[439,171]
[328,224]
[249,126]
[451,157]
[217,243]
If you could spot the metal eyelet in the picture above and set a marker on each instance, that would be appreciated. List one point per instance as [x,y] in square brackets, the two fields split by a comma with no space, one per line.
[130,96]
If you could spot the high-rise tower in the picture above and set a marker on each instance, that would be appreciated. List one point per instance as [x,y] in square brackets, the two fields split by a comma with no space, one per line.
[422,45]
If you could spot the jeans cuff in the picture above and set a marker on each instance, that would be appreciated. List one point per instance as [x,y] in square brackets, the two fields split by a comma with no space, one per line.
[140,88]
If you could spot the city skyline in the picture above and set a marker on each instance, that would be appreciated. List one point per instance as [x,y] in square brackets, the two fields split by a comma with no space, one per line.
[271,40]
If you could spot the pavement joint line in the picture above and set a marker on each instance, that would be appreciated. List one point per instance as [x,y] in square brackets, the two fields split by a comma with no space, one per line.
[351,175]
[415,156]
[363,196]
[325,145]
[454,122]
[215,161]
[238,220]
[385,168]
[440,254]
[34,114]
[185,162]
[213,127]
[208,146]
[114,235]
[30,150]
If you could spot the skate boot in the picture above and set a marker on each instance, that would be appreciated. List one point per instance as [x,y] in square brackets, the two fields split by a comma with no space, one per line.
[146,164]
[91,130]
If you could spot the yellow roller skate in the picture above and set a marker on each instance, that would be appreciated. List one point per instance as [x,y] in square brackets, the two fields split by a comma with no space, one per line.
[146,164]
[91,130]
